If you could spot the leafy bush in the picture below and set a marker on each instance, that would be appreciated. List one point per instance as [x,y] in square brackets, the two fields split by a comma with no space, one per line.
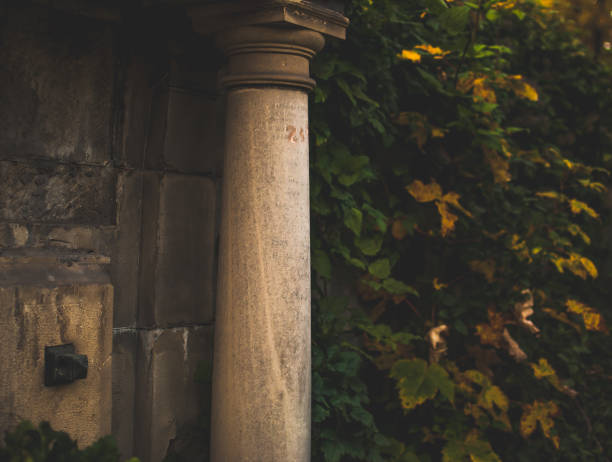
[43,444]
[461,235]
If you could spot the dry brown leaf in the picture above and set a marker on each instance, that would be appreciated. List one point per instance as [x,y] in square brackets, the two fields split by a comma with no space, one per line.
[513,348]
[437,343]
[523,310]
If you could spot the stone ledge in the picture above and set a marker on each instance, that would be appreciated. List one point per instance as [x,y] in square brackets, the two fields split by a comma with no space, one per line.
[222,15]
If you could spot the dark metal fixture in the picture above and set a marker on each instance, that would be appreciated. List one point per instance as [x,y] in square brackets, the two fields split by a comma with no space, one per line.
[63,365]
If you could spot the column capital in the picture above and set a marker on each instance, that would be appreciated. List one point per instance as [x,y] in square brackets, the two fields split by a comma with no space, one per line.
[268,56]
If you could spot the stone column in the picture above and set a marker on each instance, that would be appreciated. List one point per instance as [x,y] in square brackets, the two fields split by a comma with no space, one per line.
[261,378]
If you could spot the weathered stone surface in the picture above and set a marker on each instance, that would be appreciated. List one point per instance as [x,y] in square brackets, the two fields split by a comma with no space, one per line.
[168,397]
[97,240]
[261,384]
[44,268]
[186,131]
[178,251]
[126,248]
[57,193]
[148,248]
[137,96]
[33,316]
[56,86]
[125,344]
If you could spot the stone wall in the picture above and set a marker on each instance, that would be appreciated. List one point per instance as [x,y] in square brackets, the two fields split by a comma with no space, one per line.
[110,169]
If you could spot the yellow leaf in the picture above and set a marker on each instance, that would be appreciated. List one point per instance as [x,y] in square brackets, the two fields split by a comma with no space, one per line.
[594,185]
[534,156]
[526,91]
[505,148]
[577,264]
[496,402]
[437,133]
[520,248]
[495,396]
[453,199]
[492,333]
[482,91]
[484,267]
[543,413]
[438,285]
[410,56]
[438,53]
[448,218]
[504,5]
[546,3]
[578,206]
[549,194]
[576,230]
[561,317]
[591,318]
[424,192]
[589,266]
[478,378]
[499,166]
[542,369]
[558,261]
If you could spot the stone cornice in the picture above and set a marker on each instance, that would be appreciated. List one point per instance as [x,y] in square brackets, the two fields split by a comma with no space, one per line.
[219,16]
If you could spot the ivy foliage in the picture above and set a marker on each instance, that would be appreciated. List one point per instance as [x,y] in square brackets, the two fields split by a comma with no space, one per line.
[460,235]
[28,443]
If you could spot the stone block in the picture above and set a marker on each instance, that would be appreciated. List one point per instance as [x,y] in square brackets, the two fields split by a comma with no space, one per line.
[57,194]
[178,252]
[56,86]
[39,312]
[137,97]
[149,248]
[186,132]
[97,240]
[169,400]
[126,247]
[125,343]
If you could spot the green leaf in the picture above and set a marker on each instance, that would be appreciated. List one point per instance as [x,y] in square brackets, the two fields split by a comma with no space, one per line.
[347,90]
[353,219]
[442,381]
[413,386]
[409,457]
[395,287]
[454,451]
[321,263]
[379,217]
[455,20]
[418,382]
[380,268]
[369,245]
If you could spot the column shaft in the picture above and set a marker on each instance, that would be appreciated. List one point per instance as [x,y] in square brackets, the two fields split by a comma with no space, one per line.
[261,380]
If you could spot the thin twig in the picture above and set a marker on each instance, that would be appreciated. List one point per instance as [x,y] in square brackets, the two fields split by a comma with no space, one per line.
[414,308]
[471,40]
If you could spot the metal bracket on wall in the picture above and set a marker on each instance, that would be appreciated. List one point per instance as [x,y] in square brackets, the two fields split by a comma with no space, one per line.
[63,365]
